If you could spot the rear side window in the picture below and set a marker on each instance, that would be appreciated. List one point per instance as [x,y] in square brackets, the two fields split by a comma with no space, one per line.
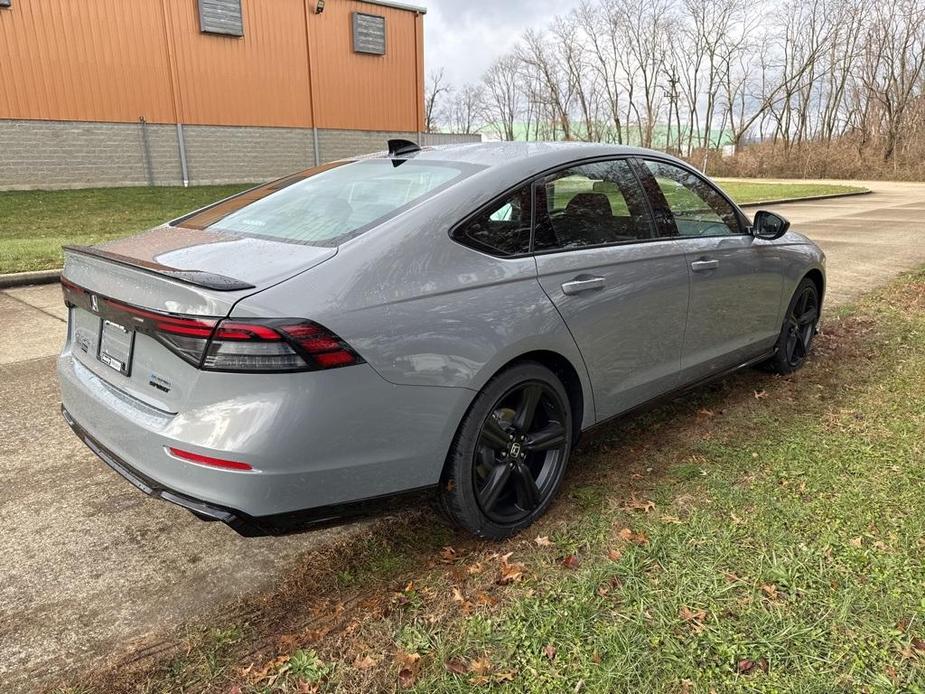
[502,229]
[696,208]
[329,204]
[591,205]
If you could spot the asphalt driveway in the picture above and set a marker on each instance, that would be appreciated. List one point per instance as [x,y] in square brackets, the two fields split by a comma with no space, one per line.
[90,567]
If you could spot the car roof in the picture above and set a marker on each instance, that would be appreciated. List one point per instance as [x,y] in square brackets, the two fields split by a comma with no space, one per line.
[521,157]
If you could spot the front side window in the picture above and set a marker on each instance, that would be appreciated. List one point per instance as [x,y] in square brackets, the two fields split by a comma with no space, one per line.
[696,208]
[591,205]
[502,229]
[330,204]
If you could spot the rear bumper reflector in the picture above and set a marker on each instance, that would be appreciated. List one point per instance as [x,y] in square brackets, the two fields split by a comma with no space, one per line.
[208,460]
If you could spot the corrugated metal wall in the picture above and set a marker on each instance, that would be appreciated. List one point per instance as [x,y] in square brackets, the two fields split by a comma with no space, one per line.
[119,60]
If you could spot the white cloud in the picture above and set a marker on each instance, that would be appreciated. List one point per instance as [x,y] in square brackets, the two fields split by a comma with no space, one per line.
[466,36]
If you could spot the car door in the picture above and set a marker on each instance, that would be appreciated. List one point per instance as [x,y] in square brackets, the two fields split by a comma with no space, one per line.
[736,279]
[621,290]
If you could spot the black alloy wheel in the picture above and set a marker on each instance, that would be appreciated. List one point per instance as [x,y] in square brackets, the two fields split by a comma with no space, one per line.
[520,452]
[799,329]
[510,452]
[801,325]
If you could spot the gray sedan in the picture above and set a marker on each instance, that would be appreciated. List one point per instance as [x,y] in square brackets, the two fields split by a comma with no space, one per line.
[447,318]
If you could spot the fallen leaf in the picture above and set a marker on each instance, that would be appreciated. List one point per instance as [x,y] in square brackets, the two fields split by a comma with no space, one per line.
[628,535]
[856,541]
[643,505]
[770,590]
[735,519]
[614,555]
[571,562]
[761,395]
[596,658]
[705,412]
[549,651]
[918,645]
[543,541]
[364,663]
[486,599]
[448,555]
[695,618]
[409,665]
[456,666]
[745,666]
[480,666]
[510,572]
[475,568]
[457,595]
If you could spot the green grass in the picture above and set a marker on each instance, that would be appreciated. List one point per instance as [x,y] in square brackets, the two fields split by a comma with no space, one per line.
[35,224]
[746,192]
[764,534]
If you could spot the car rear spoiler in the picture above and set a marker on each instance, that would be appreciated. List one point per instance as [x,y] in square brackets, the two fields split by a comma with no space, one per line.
[198,278]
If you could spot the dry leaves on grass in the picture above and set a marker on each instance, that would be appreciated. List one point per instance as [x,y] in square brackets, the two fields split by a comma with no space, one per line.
[746,666]
[543,542]
[644,505]
[770,590]
[510,572]
[635,538]
[696,619]
[550,651]
[408,666]
[365,662]
[571,562]
[448,555]
[614,555]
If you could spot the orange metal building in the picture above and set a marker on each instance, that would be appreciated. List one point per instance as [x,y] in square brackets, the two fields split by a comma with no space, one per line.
[148,63]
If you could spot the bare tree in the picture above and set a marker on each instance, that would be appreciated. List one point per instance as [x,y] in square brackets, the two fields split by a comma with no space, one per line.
[434,90]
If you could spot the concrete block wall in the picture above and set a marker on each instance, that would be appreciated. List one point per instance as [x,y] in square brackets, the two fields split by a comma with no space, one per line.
[67,154]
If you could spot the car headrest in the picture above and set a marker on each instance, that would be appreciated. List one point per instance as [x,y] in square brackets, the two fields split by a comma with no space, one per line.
[596,204]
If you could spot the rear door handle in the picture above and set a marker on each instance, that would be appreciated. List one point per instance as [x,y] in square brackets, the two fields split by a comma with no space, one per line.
[704,265]
[582,283]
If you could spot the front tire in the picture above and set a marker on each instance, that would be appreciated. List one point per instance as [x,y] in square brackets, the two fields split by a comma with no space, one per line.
[510,453]
[796,336]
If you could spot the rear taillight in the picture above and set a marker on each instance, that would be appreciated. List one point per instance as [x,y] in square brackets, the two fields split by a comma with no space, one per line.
[214,344]
[277,346]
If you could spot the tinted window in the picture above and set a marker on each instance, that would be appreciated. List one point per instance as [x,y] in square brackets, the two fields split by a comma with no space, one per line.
[695,206]
[329,204]
[502,229]
[592,205]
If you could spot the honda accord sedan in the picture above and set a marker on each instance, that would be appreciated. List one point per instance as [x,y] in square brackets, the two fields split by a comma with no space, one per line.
[447,318]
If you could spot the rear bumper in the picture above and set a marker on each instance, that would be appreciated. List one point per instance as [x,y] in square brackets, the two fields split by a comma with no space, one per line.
[331,441]
[240,522]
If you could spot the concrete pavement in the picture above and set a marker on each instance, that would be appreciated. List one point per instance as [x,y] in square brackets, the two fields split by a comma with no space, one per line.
[90,566]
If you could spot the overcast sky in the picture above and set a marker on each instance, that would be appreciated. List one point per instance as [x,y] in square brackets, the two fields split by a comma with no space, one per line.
[465,36]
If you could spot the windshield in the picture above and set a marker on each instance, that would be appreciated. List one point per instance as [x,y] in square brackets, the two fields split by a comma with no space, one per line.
[329,204]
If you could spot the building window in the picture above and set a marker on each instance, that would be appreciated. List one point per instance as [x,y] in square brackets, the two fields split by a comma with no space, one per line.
[220,17]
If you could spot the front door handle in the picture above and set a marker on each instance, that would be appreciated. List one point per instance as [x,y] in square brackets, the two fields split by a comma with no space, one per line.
[582,283]
[704,265]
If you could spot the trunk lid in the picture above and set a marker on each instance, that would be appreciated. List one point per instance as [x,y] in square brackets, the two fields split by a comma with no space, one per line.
[166,270]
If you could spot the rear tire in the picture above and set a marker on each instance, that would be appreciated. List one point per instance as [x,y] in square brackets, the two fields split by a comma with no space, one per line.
[796,336]
[509,454]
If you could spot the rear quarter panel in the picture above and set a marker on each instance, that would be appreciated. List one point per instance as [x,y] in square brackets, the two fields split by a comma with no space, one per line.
[424,310]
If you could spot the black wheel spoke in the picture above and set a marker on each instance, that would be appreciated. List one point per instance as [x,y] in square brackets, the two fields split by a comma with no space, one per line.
[526,411]
[549,437]
[808,317]
[493,435]
[799,347]
[528,494]
[494,486]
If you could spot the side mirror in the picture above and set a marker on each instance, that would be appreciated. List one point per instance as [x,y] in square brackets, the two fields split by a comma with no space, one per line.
[769,226]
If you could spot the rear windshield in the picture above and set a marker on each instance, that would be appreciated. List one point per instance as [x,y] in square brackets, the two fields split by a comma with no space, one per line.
[329,204]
